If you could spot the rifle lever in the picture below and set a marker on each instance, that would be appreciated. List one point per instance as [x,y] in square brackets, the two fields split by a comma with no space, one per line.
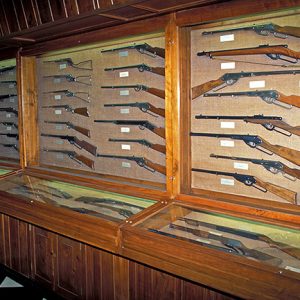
[271,127]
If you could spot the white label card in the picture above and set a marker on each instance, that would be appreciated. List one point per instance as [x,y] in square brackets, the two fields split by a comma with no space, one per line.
[8,115]
[226,181]
[58,127]
[124,74]
[241,166]
[257,84]
[225,143]
[10,73]
[123,53]
[125,129]
[227,38]
[57,97]
[125,147]
[11,100]
[228,66]
[59,156]
[126,164]
[227,125]
[8,128]
[11,86]
[62,66]
[58,112]
[124,111]
[57,80]
[59,142]
[124,93]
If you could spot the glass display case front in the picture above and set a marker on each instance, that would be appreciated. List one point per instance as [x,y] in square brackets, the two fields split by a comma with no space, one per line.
[107,205]
[274,245]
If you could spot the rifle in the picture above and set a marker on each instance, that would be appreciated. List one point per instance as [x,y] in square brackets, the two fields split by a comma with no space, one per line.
[141,161]
[69,62]
[9,110]
[14,82]
[70,125]
[268,122]
[73,140]
[231,243]
[295,252]
[71,78]
[231,78]
[252,181]
[269,96]
[142,48]
[7,96]
[255,141]
[157,147]
[6,69]
[141,68]
[12,124]
[270,165]
[55,190]
[263,29]
[10,146]
[141,123]
[274,52]
[74,156]
[83,111]
[71,94]
[138,87]
[11,135]
[95,200]
[143,106]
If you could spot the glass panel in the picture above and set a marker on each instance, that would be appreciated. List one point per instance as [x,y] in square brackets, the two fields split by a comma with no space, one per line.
[274,245]
[107,205]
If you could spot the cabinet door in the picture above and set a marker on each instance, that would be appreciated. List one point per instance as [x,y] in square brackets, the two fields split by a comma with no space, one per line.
[44,256]
[70,268]
[2,241]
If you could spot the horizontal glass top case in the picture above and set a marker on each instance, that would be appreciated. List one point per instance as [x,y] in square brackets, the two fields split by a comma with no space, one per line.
[102,204]
[273,245]
[4,171]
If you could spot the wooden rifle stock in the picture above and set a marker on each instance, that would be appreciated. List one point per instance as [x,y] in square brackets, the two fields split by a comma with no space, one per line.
[205,87]
[85,145]
[289,30]
[287,153]
[83,111]
[82,130]
[159,148]
[159,131]
[158,71]
[159,51]
[158,168]
[156,92]
[156,110]
[85,160]
[292,99]
[282,192]
[291,172]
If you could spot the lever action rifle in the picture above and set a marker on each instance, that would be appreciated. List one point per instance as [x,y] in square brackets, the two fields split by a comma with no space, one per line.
[71,94]
[143,106]
[268,122]
[11,135]
[252,181]
[231,243]
[231,78]
[141,68]
[10,146]
[141,161]
[6,69]
[71,78]
[142,124]
[274,52]
[255,141]
[13,82]
[270,165]
[81,159]
[269,96]
[157,147]
[142,48]
[7,96]
[295,252]
[73,140]
[83,111]
[70,125]
[69,62]
[9,110]
[138,87]
[263,29]
[12,124]
[61,194]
